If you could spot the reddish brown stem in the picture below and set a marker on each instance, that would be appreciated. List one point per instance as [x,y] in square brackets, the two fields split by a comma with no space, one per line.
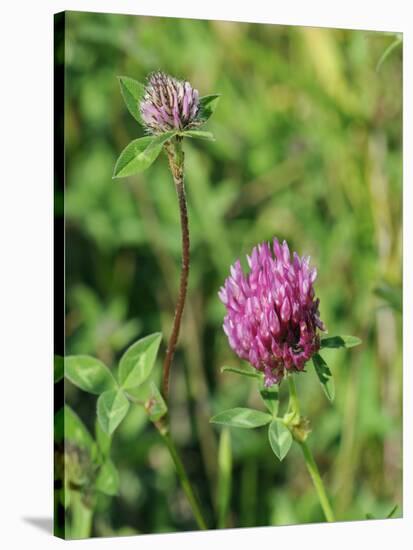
[176,163]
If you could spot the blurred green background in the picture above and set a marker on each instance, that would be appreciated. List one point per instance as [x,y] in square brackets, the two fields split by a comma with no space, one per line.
[308,148]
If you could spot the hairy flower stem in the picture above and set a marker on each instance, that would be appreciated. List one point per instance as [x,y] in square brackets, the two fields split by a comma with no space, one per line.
[176,164]
[295,419]
[181,472]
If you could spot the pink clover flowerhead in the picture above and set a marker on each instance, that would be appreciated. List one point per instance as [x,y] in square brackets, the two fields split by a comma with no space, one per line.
[169,104]
[272,317]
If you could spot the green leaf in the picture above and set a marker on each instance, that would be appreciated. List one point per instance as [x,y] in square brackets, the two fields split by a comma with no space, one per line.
[208,104]
[155,406]
[243,372]
[242,418]
[58,368]
[200,134]
[103,439]
[324,375]
[112,407]
[107,480]
[270,397]
[340,342]
[140,154]
[280,438]
[140,394]
[125,165]
[88,373]
[132,92]
[74,429]
[137,362]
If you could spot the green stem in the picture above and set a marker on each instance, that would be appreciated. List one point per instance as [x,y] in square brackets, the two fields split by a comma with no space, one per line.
[81,525]
[293,405]
[318,482]
[183,478]
[224,477]
[294,419]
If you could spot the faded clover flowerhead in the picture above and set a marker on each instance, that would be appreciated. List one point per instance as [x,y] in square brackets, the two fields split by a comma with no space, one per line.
[272,313]
[169,104]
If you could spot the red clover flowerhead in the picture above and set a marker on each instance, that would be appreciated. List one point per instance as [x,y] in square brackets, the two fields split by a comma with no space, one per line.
[272,313]
[169,104]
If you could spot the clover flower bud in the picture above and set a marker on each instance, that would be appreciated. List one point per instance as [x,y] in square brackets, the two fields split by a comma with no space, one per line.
[272,312]
[169,104]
